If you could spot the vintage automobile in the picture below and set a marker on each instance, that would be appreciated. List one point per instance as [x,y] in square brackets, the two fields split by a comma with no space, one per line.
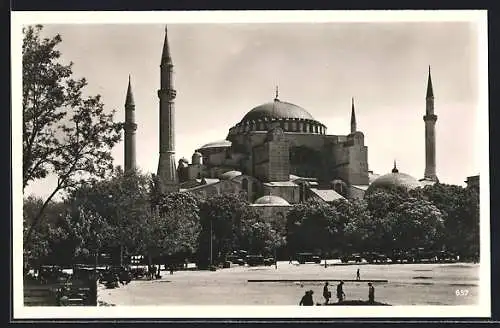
[355,257]
[253,260]
[303,258]
[374,257]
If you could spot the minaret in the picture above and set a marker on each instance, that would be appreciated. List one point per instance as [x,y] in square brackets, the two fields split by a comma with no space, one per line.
[130,127]
[353,117]
[166,94]
[430,133]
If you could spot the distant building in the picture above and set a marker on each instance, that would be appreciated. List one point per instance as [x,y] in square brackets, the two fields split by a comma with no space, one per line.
[472,181]
[278,154]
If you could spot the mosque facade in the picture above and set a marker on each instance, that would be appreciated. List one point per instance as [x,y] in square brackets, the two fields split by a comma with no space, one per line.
[277,155]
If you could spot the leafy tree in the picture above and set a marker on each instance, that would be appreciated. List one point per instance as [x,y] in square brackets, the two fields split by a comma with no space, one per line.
[179,222]
[460,209]
[415,223]
[259,236]
[223,216]
[311,226]
[43,236]
[121,201]
[64,133]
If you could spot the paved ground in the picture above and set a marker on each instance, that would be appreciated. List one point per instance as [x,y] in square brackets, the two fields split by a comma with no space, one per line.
[408,284]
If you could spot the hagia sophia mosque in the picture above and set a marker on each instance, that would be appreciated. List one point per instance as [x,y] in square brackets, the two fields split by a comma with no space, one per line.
[278,154]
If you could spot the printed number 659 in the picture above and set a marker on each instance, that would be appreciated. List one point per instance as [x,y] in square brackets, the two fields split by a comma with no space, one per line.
[461,292]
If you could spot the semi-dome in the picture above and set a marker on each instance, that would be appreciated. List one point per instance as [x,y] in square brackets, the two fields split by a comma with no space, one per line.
[217,144]
[277,109]
[271,200]
[229,175]
[395,179]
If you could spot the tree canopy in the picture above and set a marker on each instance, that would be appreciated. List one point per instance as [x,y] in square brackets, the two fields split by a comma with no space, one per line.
[65,133]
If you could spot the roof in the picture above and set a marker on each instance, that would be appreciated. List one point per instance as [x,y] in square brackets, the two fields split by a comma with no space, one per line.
[271,200]
[362,187]
[217,144]
[229,175]
[372,176]
[328,195]
[277,109]
[395,179]
[280,184]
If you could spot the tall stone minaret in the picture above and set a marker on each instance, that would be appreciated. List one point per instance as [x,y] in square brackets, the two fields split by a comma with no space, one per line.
[166,165]
[430,133]
[130,127]
[353,117]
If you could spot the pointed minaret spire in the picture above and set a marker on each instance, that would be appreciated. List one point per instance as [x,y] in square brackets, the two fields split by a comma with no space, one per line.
[395,169]
[165,55]
[353,117]
[430,133]
[167,172]
[276,97]
[130,127]
[430,92]
[129,100]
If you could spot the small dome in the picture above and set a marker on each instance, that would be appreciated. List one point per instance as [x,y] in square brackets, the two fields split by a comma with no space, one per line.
[271,200]
[395,179]
[229,175]
[277,109]
[217,144]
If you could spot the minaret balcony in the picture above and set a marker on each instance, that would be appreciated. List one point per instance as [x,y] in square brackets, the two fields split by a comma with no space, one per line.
[430,117]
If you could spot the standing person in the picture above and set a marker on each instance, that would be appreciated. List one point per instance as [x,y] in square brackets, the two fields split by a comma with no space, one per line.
[326,293]
[307,299]
[371,293]
[340,292]
[358,276]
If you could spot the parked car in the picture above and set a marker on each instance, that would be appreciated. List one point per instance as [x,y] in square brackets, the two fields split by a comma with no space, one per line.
[253,260]
[236,259]
[374,257]
[303,258]
[269,261]
[355,257]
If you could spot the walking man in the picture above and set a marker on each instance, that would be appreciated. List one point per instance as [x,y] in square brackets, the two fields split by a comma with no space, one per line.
[307,299]
[340,292]
[358,276]
[326,293]
[371,293]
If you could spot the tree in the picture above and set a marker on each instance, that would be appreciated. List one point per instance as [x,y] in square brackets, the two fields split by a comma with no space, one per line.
[258,236]
[179,224]
[44,236]
[64,133]
[121,201]
[358,231]
[311,226]
[415,223]
[460,209]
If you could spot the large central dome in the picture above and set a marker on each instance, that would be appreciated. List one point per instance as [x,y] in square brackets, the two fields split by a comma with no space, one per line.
[277,110]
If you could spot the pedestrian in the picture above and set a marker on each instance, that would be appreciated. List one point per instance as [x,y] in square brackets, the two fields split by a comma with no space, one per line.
[307,299]
[358,276]
[371,293]
[290,262]
[326,293]
[340,292]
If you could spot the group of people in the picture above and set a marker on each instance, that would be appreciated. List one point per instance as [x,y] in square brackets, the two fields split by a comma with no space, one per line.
[307,299]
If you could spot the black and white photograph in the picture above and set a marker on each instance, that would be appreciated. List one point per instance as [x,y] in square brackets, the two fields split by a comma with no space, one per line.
[250,164]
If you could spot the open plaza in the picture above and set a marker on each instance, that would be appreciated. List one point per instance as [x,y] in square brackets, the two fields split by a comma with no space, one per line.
[407,284]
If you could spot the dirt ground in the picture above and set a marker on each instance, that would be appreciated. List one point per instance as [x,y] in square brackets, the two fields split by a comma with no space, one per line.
[408,284]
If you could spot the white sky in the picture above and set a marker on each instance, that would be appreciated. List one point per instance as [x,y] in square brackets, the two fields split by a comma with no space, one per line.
[224,70]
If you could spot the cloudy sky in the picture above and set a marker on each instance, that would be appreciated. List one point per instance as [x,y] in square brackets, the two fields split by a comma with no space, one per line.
[224,70]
